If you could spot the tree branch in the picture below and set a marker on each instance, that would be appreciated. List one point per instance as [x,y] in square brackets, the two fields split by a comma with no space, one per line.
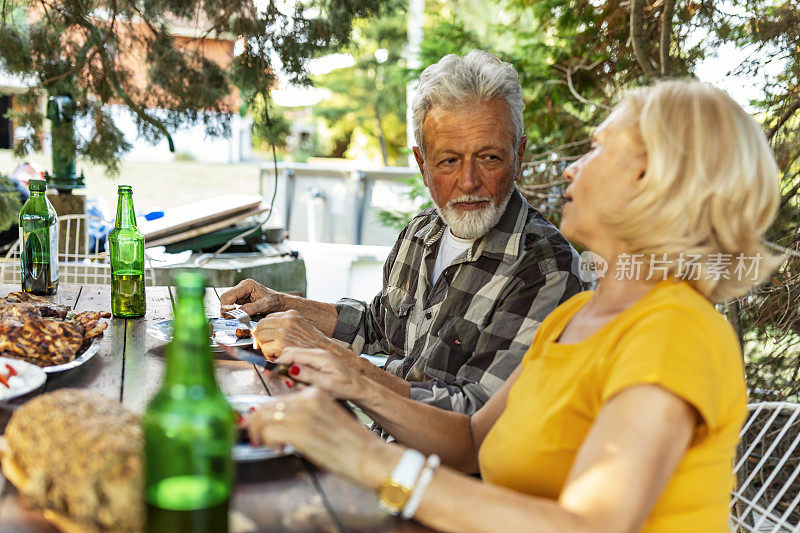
[637,30]
[578,96]
[666,34]
[112,78]
[792,192]
[783,118]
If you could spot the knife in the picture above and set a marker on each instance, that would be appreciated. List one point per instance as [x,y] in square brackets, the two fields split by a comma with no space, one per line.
[258,360]
[276,370]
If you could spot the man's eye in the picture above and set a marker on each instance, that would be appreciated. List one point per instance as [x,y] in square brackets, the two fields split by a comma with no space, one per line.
[448,161]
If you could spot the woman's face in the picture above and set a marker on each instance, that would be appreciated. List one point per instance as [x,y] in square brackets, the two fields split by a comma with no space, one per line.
[603,181]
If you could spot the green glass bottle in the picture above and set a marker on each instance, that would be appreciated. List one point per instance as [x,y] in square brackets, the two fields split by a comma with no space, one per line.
[38,240]
[189,428]
[126,246]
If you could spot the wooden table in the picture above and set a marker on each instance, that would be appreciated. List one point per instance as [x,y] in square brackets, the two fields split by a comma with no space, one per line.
[284,494]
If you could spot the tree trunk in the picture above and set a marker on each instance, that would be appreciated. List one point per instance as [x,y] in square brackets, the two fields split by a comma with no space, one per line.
[381,137]
[637,30]
[666,35]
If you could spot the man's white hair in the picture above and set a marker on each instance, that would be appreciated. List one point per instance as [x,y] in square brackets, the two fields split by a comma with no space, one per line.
[454,82]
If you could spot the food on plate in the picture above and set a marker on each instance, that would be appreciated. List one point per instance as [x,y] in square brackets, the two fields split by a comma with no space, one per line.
[39,331]
[224,310]
[78,456]
[8,375]
[43,307]
[242,333]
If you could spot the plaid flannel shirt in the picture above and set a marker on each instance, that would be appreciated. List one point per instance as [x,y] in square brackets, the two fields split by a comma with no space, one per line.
[460,339]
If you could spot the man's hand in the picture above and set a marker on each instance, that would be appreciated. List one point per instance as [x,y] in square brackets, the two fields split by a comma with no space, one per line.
[278,331]
[335,372]
[254,298]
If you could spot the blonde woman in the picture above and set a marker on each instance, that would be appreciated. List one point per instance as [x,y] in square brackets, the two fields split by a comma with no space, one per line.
[624,413]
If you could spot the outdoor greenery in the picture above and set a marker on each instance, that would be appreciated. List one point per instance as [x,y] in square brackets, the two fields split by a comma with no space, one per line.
[91,51]
[576,58]
[369,97]
[9,204]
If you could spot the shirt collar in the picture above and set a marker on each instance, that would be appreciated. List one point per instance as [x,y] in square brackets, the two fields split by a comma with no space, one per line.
[502,242]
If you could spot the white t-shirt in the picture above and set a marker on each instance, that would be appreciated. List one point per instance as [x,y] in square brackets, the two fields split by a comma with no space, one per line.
[450,248]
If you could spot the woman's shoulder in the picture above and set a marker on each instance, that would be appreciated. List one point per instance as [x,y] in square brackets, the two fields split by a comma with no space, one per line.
[676,304]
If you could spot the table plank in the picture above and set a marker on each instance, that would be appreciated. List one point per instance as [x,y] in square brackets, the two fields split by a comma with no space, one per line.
[142,370]
[103,372]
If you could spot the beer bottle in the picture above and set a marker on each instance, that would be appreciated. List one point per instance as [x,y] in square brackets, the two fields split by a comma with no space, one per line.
[126,246]
[38,241]
[189,428]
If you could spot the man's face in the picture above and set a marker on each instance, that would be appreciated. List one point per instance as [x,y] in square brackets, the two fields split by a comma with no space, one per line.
[470,164]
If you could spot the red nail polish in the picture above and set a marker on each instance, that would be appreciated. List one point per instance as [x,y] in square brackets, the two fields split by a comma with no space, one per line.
[288,383]
[294,370]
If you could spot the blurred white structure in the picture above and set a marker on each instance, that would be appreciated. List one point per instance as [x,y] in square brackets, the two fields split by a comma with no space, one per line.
[337,203]
[189,141]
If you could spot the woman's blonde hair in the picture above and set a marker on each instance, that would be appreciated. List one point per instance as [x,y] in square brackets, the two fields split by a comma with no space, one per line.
[709,193]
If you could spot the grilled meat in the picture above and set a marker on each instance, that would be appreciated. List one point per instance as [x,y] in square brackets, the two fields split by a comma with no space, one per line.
[90,321]
[39,341]
[47,308]
[35,330]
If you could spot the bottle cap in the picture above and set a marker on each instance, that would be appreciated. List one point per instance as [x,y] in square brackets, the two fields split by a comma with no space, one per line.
[37,185]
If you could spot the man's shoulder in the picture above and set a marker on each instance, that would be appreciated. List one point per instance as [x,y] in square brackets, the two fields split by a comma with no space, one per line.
[545,245]
[422,219]
[539,231]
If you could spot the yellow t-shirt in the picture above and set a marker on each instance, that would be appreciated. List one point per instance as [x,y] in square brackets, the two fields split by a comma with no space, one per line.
[672,337]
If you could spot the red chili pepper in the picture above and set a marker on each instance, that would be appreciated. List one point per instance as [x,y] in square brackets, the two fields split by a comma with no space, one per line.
[4,381]
[11,371]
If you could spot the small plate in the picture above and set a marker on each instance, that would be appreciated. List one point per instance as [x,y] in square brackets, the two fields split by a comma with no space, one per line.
[224,330]
[243,452]
[78,361]
[29,378]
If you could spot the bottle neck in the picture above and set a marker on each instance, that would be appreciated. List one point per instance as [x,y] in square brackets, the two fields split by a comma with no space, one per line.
[126,218]
[189,360]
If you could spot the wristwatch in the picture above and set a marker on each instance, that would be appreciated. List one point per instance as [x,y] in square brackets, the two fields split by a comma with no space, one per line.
[394,491]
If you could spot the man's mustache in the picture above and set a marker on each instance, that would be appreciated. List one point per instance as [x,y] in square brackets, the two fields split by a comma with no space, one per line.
[469,198]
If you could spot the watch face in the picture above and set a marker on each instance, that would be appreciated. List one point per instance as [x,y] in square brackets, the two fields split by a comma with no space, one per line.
[394,496]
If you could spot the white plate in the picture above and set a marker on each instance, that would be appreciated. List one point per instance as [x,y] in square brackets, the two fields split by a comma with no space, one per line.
[244,452]
[29,378]
[78,361]
[224,329]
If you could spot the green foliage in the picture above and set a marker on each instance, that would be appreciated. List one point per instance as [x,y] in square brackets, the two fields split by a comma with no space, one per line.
[399,219]
[9,203]
[575,59]
[89,50]
[369,97]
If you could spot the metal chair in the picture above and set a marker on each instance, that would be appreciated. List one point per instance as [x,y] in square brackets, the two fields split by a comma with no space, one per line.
[767,468]
[77,263]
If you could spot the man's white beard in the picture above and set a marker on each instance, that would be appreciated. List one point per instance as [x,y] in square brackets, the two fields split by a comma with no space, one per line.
[473,223]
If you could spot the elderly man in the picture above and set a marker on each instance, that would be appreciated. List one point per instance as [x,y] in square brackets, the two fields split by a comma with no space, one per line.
[467,283]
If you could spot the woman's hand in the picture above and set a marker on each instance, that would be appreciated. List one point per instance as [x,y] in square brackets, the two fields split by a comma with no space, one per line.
[335,371]
[317,426]
[278,331]
[253,297]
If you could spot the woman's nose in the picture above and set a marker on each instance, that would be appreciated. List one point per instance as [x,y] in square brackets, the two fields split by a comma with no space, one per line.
[569,172]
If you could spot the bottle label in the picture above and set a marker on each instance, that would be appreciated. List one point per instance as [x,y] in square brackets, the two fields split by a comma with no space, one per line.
[53,230]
